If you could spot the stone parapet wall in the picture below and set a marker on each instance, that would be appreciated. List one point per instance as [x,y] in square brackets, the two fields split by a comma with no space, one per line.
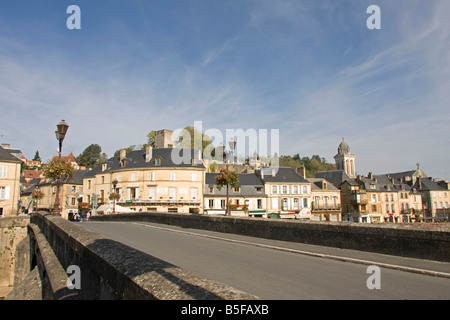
[110,270]
[409,240]
[13,230]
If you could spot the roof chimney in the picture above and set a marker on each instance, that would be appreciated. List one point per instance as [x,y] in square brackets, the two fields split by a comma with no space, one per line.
[148,153]
[301,171]
[123,154]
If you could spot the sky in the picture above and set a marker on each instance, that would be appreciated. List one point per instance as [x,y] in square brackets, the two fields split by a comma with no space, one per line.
[311,69]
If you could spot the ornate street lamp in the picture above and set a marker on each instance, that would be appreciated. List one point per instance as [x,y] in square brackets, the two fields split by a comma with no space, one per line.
[60,135]
[115,182]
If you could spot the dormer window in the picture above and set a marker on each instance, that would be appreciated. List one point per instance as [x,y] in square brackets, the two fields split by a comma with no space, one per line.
[194,161]
[104,166]
[157,161]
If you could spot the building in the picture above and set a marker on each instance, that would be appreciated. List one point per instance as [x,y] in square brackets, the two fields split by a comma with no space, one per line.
[247,199]
[345,160]
[154,179]
[10,167]
[379,198]
[71,192]
[288,192]
[435,197]
[326,200]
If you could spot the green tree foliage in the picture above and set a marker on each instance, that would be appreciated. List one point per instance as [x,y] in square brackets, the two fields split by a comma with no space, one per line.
[190,142]
[151,139]
[128,150]
[37,157]
[312,165]
[91,156]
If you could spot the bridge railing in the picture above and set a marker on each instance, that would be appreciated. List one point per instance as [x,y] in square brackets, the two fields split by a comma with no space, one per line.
[100,268]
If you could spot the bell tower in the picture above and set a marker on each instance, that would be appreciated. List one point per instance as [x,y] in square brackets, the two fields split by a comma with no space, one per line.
[345,160]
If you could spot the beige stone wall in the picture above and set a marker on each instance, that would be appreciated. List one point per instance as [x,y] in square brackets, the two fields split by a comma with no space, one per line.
[68,198]
[9,187]
[161,184]
[12,231]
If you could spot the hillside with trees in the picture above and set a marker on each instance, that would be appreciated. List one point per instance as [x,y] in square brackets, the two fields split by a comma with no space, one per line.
[312,165]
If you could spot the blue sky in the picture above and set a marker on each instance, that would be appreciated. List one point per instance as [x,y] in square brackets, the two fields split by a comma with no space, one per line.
[311,69]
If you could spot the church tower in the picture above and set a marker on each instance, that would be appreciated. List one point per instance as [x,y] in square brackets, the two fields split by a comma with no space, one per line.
[345,160]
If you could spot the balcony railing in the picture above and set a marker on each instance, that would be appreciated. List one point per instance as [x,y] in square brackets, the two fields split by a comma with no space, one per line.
[329,208]
[158,202]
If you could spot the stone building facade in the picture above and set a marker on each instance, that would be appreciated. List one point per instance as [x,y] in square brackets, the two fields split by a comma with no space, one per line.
[154,179]
[10,167]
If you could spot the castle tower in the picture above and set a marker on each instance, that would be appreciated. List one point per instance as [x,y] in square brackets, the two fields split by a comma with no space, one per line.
[345,160]
[164,139]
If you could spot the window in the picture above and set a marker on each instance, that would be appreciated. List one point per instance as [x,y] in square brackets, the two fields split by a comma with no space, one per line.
[3,171]
[73,201]
[89,184]
[305,189]
[284,204]
[295,203]
[305,202]
[157,161]
[104,166]
[223,204]
[151,193]
[4,193]
[259,203]
[103,179]
[295,189]
[193,193]
[172,210]
[274,190]
[211,204]
[284,189]
[172,193]
[211,190]
[387,208]
[258,189]
[237,189]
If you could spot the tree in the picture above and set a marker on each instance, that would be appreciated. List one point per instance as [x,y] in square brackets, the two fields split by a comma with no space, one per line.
[91,156]
[151,139]
[193,132]
[128,150]
[228,178]
[37,157]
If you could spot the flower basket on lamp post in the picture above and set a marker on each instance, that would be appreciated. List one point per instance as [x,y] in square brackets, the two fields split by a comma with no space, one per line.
[227,178]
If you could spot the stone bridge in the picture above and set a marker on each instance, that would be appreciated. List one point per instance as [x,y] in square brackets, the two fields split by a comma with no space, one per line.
[111,270]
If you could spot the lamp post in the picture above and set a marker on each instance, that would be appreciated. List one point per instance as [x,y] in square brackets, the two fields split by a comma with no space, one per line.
[115,182]
[232,144]
[61,131]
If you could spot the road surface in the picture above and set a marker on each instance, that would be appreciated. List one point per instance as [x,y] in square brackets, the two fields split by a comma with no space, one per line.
[264,268]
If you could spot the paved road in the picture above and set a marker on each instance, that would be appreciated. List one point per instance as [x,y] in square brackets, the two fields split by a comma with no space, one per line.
[259,267]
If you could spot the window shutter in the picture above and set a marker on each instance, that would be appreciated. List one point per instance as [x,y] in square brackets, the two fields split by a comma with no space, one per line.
[7,193]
